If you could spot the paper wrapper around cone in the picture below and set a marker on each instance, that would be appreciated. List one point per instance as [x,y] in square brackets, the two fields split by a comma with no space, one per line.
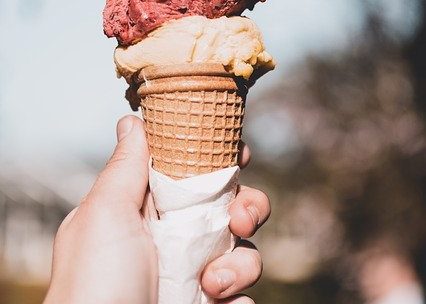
[194,117]
[192,230]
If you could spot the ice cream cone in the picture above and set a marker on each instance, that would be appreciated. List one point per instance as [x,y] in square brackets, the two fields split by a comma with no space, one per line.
[193,116]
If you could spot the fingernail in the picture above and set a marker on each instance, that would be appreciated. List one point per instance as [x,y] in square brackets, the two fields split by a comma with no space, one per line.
[254,214]
[124,127]
[225,278]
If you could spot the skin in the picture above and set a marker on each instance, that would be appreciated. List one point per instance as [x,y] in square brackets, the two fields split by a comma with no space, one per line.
[103,252]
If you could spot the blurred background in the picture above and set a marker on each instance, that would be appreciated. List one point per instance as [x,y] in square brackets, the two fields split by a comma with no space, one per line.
[337,134]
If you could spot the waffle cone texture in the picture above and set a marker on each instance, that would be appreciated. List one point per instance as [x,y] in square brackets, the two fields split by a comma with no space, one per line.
[193,116]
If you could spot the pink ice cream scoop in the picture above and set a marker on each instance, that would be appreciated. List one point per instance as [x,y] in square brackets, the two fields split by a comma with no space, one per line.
[131,20]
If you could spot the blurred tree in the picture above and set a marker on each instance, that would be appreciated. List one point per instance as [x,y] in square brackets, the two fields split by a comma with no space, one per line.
[416,55]
[360,154]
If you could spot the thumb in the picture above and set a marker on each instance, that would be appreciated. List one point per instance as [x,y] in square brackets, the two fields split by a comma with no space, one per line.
[125,178]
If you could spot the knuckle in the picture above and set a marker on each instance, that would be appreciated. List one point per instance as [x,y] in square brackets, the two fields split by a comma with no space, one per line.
[261,196]
[263,199]
[119,155]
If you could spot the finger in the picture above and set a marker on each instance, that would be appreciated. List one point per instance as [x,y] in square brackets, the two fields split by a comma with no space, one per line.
[67,220]
[249,211]
[238,299]
[244,156]
[148,210]
[232,272]
[125,177]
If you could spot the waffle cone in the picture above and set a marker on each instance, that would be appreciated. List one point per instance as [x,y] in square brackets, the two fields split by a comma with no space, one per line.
[193,117]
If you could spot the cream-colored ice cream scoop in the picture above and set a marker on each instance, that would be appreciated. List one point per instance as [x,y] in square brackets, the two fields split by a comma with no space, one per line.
[234,42]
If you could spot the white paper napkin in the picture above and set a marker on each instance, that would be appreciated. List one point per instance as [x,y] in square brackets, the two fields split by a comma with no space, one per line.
[192,230]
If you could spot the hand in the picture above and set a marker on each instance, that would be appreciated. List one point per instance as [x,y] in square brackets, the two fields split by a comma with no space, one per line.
[236,271]
[103,252]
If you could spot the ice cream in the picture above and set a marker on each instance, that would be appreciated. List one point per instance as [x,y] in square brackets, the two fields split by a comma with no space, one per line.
[132,20]
[234,42]
[189,64]
[172,52]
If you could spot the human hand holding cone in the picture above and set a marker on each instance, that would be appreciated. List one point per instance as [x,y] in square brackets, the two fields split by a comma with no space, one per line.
[191,78]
